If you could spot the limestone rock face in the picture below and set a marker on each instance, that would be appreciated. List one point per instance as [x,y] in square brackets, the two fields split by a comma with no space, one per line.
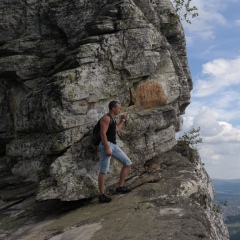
[62,62]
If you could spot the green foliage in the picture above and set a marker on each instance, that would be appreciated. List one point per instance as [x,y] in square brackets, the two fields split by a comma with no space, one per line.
[184,10]
[223,202]
[217,208]
[189,141]
[191,138]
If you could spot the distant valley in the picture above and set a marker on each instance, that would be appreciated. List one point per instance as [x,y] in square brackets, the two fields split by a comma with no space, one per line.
[228,198]
[227,188]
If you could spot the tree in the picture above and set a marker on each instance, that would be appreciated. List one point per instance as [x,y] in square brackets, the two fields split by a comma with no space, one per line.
[188,142]
[191,138]
[184,10]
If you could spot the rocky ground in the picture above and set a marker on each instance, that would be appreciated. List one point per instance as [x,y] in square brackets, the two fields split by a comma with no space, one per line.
[170,200]
[26,217]
[21,214]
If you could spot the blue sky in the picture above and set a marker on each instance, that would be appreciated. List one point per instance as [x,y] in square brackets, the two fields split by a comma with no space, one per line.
[213,48]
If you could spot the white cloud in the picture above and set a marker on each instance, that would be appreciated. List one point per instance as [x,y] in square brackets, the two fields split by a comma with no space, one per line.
[218,74]
[203,26]
[221,140]
[209,127]
[237,22]
[225,133]
[227,168]
[216,157]
[213,128]
[220,149]
[226,99]
[221,159]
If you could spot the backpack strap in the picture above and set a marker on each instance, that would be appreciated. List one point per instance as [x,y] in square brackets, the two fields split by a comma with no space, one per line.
[111,118]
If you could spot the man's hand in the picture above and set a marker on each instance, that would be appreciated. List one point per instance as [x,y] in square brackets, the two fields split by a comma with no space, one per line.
[109,152]
[124,116]
[120,124]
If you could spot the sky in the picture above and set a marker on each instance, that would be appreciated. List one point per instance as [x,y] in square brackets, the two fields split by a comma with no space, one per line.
[213,49]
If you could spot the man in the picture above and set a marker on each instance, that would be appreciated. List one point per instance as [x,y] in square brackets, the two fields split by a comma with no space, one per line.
[108,149]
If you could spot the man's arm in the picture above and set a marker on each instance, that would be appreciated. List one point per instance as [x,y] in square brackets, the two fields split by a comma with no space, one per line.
[104,124]
[120,124]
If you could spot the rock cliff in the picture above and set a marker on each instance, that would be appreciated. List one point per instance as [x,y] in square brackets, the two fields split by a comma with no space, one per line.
[61,63]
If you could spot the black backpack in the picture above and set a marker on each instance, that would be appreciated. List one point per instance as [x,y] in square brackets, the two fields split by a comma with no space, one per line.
[96,138]
[96,134]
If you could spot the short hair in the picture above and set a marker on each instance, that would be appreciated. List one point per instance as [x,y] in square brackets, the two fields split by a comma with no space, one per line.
[112,104]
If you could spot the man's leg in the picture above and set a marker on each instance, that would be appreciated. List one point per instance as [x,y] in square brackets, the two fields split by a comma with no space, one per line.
[104,166]
[126,162]
[123,175]
[101,182]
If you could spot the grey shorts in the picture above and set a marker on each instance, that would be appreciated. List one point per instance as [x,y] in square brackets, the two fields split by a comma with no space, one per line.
[117,153]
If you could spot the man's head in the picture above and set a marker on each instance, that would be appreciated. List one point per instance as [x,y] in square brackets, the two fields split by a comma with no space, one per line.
[114,107]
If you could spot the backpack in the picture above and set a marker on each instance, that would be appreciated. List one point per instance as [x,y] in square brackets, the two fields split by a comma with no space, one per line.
[96,138]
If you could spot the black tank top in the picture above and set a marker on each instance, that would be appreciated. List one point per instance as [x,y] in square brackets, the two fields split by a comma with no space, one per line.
[111,132]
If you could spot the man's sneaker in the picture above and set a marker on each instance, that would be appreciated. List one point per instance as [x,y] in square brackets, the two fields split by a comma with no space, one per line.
[104,199]
[123,190]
